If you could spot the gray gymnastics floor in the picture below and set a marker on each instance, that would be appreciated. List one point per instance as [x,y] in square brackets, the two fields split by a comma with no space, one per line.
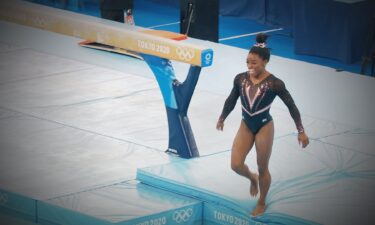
[79,126]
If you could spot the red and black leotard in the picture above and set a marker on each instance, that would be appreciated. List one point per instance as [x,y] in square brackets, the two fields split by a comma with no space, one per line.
[256,100]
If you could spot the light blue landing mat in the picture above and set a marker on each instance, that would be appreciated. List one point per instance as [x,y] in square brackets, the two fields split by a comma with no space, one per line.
[128,203]
[43,160]
[358,140]
[323,184]
[17,206]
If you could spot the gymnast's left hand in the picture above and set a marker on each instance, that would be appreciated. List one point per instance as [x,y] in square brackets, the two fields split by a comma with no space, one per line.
[303,139]
[220,125]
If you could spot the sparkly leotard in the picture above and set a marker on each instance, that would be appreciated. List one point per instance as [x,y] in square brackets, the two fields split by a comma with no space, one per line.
[256,100]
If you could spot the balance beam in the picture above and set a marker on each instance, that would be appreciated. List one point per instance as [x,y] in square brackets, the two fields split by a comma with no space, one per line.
[103,31]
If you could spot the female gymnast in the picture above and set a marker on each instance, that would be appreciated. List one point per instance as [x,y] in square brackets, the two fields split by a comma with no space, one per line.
[257,88]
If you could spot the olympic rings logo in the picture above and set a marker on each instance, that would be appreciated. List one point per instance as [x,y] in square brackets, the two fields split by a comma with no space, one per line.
[3,198]
[182,215]
[185,53]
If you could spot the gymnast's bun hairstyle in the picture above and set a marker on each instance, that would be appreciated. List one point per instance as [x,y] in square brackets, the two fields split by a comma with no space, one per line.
[260,47]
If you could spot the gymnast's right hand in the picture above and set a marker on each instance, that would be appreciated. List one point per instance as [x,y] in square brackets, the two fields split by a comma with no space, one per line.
[220,124]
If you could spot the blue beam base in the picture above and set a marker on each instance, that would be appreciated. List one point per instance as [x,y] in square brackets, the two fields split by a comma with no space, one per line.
[176,96]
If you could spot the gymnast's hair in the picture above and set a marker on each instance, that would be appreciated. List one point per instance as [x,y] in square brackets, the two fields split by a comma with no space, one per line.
[260,47]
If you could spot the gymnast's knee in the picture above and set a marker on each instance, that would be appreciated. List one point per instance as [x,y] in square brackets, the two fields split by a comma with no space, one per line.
[237,166]
[263,171]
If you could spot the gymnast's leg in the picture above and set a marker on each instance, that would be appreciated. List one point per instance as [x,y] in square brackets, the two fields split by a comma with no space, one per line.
[242,144]
[263,144]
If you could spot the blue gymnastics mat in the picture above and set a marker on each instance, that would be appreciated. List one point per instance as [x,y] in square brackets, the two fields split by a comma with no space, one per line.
[18,205]
[127,203]
[323,184]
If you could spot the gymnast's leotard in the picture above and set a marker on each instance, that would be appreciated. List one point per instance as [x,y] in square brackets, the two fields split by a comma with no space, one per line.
[256,100]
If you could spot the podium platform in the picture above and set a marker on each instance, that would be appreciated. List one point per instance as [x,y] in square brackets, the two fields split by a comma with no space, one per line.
[323,184]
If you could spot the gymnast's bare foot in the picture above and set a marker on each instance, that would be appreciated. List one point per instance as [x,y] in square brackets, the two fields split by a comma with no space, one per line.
[259,209]
[254,185]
